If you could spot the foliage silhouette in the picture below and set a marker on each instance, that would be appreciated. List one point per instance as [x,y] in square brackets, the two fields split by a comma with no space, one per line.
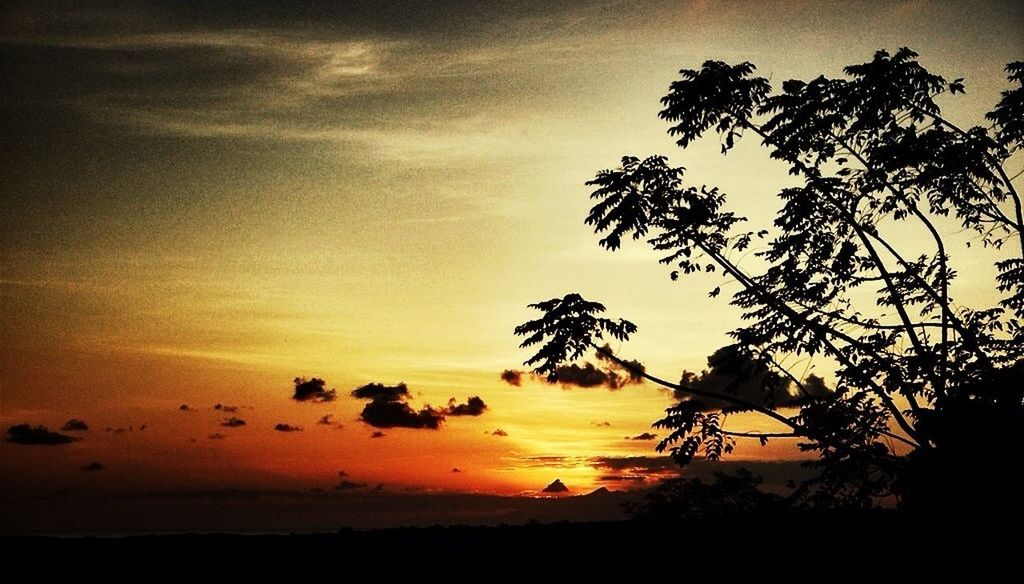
[928,394]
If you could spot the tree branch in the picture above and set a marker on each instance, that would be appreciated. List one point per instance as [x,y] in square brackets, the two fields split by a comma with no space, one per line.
[996,165]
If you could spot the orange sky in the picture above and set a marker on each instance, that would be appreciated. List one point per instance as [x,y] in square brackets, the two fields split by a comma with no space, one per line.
[198,208]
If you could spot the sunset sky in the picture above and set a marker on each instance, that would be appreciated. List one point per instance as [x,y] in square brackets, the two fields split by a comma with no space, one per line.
[200,204]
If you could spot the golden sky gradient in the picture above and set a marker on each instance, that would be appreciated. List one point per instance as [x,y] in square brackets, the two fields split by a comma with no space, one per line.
[199,207]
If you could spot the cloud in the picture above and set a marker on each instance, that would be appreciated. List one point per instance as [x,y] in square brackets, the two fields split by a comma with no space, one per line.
[474,406]
[585,376]
[74,425]
[642,437]
[776,473]
[27,435]
[342,474]
[513,377]
[610,374]
[604,424]
[312,390]
[272,80]
[348,486]
[93,467]
[216,436]
[499,432]
[634,464]
[380,391]
[456,469]
[556,487]
[185,408]
[396,414]
[233,422]
[622,478]
[732,370]
[378,434]
[388,408]
[225,409]
[326,420]
[287,428]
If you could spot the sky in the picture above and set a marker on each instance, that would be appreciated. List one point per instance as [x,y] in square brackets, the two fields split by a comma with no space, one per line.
[202,202]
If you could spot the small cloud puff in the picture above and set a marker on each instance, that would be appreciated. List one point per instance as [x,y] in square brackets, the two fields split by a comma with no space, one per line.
[312,390]
[74,425]
[513,377]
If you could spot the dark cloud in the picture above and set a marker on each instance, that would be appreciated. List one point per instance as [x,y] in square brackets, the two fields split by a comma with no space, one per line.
[609,374]
[185,408]
[651,468]
[602,424]
[456,469]
[513,377]
[556,487]
[379,391]
[93,466]
[388,408]
[74,425]
[287,428]
[499,432]
[216,436]
[378,434]
[732,370]
[36,436]
[634,464]
[396,414]
[225,409]
[474,406]
[642,437]
[232,422]
[348,486]
[551,462]
[622,478]
[312,390]
[342,474]
[326,420]
[585,376]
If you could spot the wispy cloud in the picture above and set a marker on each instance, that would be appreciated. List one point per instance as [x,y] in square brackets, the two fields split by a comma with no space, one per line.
[389,96]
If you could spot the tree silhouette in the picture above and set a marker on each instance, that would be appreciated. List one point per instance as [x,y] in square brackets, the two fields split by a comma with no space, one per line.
[928,397]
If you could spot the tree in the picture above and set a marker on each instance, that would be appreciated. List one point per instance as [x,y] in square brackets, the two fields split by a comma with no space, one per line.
[873,154]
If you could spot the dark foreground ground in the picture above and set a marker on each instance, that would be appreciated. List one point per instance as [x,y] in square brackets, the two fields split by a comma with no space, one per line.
[882,542]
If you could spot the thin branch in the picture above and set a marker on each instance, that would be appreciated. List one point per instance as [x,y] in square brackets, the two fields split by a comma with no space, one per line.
[822,332]
[995,163]
[941,248]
